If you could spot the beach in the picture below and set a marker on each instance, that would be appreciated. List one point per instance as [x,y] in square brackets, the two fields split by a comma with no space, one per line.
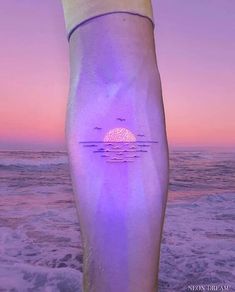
[40,244]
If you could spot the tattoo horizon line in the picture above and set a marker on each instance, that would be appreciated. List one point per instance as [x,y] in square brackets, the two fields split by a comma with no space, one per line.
[110,142]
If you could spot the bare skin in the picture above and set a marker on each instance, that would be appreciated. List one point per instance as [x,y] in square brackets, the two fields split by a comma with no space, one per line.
[115,96]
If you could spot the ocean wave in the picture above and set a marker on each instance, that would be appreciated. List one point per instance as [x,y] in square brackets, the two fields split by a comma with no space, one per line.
[22,162]
[189,170]
[25,277]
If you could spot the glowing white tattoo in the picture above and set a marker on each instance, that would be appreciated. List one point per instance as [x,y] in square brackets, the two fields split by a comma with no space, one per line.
[119,145]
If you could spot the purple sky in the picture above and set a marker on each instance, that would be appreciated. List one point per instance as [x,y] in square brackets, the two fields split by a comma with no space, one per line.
[195,48]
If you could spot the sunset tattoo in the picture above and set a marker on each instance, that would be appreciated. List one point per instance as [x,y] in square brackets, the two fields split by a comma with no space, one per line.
[119,144]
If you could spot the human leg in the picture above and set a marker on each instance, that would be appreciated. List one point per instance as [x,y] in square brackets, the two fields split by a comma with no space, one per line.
[120,188]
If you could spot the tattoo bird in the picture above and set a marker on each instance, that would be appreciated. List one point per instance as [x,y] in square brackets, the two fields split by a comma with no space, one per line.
[97,128]
[121,119]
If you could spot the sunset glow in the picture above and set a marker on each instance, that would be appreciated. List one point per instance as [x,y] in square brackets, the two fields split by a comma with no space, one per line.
[119,135]
[195,59]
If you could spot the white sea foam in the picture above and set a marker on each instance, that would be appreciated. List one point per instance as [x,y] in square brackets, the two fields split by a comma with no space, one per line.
[25,277]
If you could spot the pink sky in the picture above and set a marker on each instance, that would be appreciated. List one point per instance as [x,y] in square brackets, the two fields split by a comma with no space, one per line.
[195,49]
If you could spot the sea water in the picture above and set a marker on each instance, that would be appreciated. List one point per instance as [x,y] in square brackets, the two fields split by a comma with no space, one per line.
[40,243]
[191,171]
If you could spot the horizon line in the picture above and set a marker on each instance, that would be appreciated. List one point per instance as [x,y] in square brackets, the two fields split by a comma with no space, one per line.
[109,142]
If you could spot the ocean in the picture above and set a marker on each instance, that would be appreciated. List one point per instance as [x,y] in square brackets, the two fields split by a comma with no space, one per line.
[201,172]
[191,172]
[40,244]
